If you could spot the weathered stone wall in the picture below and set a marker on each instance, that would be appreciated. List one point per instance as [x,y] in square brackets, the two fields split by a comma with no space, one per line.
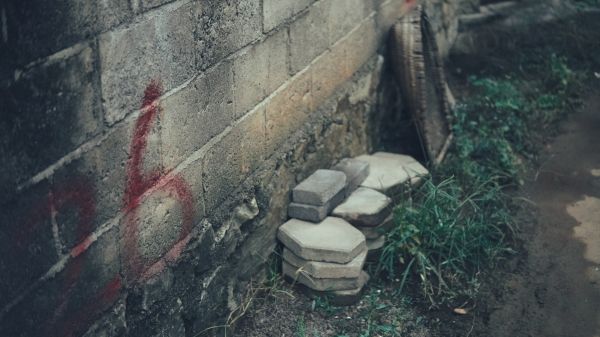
[149,147]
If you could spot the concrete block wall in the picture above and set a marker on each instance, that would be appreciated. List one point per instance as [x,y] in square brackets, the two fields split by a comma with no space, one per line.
[149,147]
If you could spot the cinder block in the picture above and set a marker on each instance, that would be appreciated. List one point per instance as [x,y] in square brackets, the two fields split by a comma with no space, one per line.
[26,240]
[288,109]
[159,48]
[200,111]
[361,45]
[276,12]
[259,70]
[320,187]
[103,170]
[344,16]
[48,112]
[356,172]
[309,36]
[37,29]
[158,224]
[329,71]
[233,157]
[223,27]
[68,303]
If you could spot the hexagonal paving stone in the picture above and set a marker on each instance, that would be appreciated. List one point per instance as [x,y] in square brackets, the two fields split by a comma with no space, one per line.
[321,284]
[318,269]
[364,207]
[389,171]
[339,297]
[331,240]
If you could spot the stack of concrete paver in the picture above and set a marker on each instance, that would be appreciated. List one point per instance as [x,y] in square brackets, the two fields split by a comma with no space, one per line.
[326,258]
[326,254]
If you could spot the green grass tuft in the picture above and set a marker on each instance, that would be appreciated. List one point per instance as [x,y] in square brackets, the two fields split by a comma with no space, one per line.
[459,222]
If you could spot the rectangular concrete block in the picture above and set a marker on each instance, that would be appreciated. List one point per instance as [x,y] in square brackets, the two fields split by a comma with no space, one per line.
[159,48]
[309,36]
[36,29]
[276,12]
[259,70]
[308,212]
[320,187]
[356,172]
[49,111]
[233,157]
[200,111]
[288,109]
[315,213]
[223,27]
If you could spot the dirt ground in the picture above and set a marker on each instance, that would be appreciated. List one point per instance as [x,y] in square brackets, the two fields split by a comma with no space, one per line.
[556,291]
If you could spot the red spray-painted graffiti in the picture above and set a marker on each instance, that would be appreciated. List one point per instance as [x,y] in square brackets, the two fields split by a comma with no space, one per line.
[78,193]
[140,186]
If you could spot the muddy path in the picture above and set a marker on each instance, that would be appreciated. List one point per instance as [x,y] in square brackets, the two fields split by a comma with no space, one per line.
[557,290]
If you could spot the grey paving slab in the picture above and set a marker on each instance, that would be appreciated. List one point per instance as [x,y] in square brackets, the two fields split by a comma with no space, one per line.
[389,171]
[364,207]
[339,297]
[356,172]
[321,284]
[319,188]
[318,269]
[331,240]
